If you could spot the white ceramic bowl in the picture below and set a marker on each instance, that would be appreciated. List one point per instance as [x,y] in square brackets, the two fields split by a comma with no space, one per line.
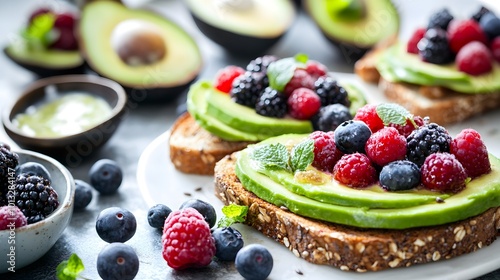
[27,244]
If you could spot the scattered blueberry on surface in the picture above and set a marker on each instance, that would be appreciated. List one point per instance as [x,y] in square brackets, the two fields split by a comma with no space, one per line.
[228,241]
[33,168]
[205,209]
[158,214]
[117,261]
[254,262]
[83,194]
[115,224]
[106,176]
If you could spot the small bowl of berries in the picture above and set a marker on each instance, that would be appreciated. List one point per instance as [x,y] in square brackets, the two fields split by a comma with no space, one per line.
[36,205]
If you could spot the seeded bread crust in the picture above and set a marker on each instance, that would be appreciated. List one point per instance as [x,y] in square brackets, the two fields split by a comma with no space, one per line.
[194,150]
[441,105]
[350,248]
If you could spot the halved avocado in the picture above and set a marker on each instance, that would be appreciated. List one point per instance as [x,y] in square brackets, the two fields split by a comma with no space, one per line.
[162,78]
[46,63]
[354,25]
[243,27]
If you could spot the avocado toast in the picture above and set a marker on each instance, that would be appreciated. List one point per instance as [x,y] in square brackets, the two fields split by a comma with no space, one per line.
[324,218]
[243,106]
[447,72]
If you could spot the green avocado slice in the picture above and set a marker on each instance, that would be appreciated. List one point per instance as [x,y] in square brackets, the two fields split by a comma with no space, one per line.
[480,194]
[55,59]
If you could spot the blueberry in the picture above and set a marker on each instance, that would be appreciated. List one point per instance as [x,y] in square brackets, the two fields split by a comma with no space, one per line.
[117,261]
[204,208]
[490,24]
[33,168]
[157,215]
[254,262]
[330,117]
[115,224]
[351,136]
[83,194]
[106,176]
[400,175]
[228,241]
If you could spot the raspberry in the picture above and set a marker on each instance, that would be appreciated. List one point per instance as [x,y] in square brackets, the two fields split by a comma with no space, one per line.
[355,170]
[407,129]
[440,19]
[187,241]
[326,153]
[411,46]
[386,145]
[272,103]
[461,32]
[65,20]
[316,69]
[443,172]
[303,103]
[9,215]
[426,140]
[66,40]
[474,59]
[300,79]
[471,151]
[224,77]
[495,48]
[330,92]
[434,47]
[368,114]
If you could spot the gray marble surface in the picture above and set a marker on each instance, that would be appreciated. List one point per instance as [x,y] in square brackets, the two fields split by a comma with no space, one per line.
[143,123]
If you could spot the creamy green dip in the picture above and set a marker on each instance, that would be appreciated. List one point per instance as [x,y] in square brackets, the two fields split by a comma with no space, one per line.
[66,115]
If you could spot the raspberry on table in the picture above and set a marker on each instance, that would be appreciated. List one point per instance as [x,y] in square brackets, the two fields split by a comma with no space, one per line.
[385,146]
[326,154]
[330,92]
[461,32]
[470,150]
[247,88]
[9,214]
[330,117]
[355,170]
[224,78]
[299,79]
[444,173]
[272,103]
[434,47]
[474,59]
[409,127]
[316,69]
[440,19]
[368,115]
[187,241]
[411,45]
[399,175]
[303,103]
[425,140]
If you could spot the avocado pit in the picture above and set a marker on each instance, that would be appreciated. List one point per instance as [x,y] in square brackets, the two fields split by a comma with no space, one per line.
[138,42]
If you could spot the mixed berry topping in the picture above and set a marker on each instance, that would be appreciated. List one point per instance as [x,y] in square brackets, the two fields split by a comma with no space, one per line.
[300,79]
[272,103]
[224,78]
[399,175]
[368,115]
[326,153]
[247,88]
[469,149]
[303,104]
[443,172]
[470,43]
[426,140]
[261,63]
[351,136]
[385,146]
[330,92]
[330,117]
[355,170]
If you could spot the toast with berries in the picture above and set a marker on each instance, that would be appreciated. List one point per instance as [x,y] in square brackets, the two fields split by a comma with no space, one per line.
[445,71]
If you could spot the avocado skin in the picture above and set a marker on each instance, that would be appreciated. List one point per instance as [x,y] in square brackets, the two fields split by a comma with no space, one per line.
[237,44]
[43,72]
[154,95]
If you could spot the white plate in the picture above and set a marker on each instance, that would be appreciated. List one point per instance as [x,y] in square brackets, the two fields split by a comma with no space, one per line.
[160,182]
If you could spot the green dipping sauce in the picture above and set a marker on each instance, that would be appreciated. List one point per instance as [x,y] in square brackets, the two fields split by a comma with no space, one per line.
[66,115]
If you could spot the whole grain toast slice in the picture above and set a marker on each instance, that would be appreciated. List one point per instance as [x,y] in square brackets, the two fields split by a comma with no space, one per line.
[194,150]
[351,248]
[441,105]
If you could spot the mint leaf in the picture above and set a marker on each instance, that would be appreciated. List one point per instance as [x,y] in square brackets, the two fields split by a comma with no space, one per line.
[393,113]
[272,156]
[38,33]
[302,155]
[70,269]
[280,72]
[232,214]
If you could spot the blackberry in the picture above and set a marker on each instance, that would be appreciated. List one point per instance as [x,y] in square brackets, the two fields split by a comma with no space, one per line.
[480,13]
[330,117]
[261,63]
[400,175]
[248,87]
[434,47]
[35,197]
[8,162]
[440,19]
[426,140]
[330,92]
[272,103]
